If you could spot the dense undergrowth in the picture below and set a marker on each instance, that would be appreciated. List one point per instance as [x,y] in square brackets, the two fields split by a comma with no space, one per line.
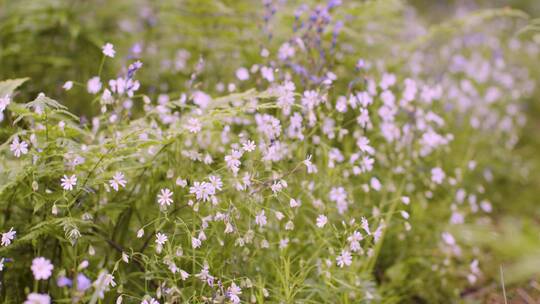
[265,152]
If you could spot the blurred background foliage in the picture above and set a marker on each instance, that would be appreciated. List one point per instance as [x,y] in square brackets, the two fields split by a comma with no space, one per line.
[52,41]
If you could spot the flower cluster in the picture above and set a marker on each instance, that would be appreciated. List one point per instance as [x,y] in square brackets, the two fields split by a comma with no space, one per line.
[323,166]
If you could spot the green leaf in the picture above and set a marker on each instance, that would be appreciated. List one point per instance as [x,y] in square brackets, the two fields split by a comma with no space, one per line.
[8,86]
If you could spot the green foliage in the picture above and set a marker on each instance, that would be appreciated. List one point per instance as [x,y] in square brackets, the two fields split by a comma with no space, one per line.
[193,48]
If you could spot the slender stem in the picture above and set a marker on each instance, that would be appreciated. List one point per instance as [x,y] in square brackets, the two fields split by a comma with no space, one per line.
[387,220]
[502,284]
[101,66]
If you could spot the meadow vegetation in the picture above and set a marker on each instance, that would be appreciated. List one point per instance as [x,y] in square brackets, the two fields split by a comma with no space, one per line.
[214,151]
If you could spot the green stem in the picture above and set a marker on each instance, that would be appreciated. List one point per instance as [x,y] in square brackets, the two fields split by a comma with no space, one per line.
[387,219]
[101,66]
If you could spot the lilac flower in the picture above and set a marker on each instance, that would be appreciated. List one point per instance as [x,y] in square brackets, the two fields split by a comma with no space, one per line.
[42,268]
[321,220]
[233,292]
[161,238]
[365,225]
[68,182]
[286,51]
[375,184]
[201,99]
[437,175]
[311,99]
[242,74]
[37,298]
[260,219]
[94,85]
[267,73]
[63,281]
[150,301]
[134,67]
[4,102]
[344,259]
[123,86]
[202,190]
[354,241]
[103,283]
[164,198]
[7,237]
[448,238]
[249,146]
[311,168]
[83,282]
[18,147]
[68,85]
[294,203]
[268,125]
[108,50]
[195,242]
[193,125]
[118,180]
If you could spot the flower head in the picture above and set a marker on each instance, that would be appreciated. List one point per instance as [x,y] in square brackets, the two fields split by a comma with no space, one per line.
[233,291]
[42,268]
[83,282]
[344,259]
[286,51]
[68,182]
[108,50]
[195,242]
[103,282]
[260,219]
[94,85]
[18,147]
[150,301]
[4,102]
[437,175]
[118,180]
[7,237]
[68,85]
[165,197]
[37,298]
[193,125]
[321,220]
[161,238]
[249,146]
[242,74]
